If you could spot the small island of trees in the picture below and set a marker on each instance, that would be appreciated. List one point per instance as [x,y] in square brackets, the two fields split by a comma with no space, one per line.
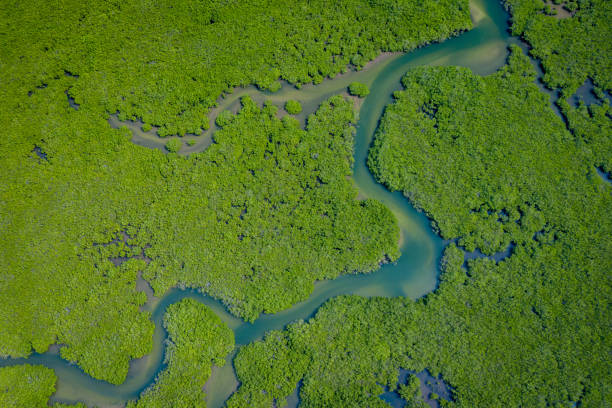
[358,89]
[174,145]
[293,107]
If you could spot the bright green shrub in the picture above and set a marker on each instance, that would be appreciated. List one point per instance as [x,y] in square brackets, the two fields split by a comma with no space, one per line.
[358,89]
[174,145]
[26,386]
[293,107]
[224,118]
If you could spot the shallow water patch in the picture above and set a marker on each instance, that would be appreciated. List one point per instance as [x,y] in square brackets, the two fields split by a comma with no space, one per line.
[39,152]
[432,389]
[587,94]
[607,177]
[497,257]
[558,11]
[293,400]
[71,101]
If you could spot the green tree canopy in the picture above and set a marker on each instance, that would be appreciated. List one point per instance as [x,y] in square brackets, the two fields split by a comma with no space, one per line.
[491,164]
[174,145]
[293,107]
[197,339]
[358,89]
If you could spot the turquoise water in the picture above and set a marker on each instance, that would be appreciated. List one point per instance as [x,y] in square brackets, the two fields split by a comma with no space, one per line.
[483,49]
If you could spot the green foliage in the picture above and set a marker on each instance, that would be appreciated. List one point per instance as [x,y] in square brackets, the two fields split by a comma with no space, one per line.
[526,181]
[268,208]
[197,339]
[167,63]
[342,356]
[571,6]
[548,10]
[275,366]
[531,330]
[592,126]
[293,107]
[146,127]
[570,49]
[275,86]
[358,89]
[454,116]
[26,386]
[411,393]
[67,288]
[599,93]
[174,145]
[266,189]
[254,220]
[224,118]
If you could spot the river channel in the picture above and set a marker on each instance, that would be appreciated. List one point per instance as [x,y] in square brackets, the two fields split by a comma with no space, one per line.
[483,49]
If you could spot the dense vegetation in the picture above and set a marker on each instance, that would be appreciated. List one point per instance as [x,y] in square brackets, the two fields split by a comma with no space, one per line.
[530,330]
[197,339]
[570,49]
[293,107]
[253,221]
[592,126]
[358,89]
[267,210]
[411,393]
[438,124]
[173,145]
[28,386]
[167,62]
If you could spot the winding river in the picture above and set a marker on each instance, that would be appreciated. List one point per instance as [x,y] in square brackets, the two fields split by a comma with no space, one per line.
[483,49]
